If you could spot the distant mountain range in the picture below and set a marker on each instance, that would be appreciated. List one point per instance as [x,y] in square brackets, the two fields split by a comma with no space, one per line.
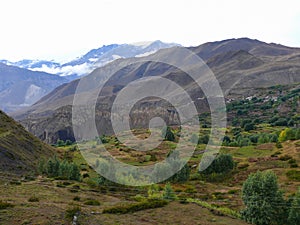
[24,82]
[95,58]
[21,87]
[242,66]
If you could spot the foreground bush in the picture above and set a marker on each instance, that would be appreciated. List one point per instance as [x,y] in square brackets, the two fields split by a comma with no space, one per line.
[263,200]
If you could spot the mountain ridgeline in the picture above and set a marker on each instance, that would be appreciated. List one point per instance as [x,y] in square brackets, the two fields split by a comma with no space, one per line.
[244,68]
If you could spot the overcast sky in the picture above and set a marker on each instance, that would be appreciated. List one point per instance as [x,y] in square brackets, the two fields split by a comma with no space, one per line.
[64,29]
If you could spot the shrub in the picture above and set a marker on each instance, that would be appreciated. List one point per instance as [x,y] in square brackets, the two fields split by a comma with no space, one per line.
[153,192]
[33,199]
[221,210]
[182,175]
[293,165]
[129,208]
[5,205]
[92,202]
[281,122]
[76,198]
[243,165]
[167,134]
[249,126]
[285,158]
[68,142]
[60,143]
[168,193]
[293,175]
[279,145]
[203,139]
[222,164]
[103,140]
[72,211]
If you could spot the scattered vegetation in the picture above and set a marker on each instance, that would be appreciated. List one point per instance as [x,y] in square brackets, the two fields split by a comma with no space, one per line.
[72,211]
[92,202]
[33,199]
[4,205]
[129,208]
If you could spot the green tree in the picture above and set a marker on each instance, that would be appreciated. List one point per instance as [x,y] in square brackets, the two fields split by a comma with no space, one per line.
[249,126]
[68,142]
[222,164]
[56,168]
[52,168]
[182,175]
[74,172]
[290,134]
[282,136]
[168,134]
[60,143]
[41,166]
[203,139]
[294,213]
[263,200]
[168,192]
[263,138]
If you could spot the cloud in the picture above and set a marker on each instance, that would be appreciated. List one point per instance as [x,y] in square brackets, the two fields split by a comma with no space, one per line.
[81,69]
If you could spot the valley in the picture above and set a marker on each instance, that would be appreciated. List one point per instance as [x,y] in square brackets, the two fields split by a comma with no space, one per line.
[50,176]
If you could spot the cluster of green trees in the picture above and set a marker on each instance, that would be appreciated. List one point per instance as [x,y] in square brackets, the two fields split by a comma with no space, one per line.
[246,140]
[240,140]
[222,164]
[154,192]
[281,121]
[265,203]
[103,139]
[61,143]
[202,139]
[289,134]
[57,168]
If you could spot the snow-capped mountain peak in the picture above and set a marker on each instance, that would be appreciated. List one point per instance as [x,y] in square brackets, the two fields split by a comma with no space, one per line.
[98,57]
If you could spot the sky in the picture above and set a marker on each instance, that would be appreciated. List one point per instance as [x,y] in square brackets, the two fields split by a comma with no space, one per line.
[61,30]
